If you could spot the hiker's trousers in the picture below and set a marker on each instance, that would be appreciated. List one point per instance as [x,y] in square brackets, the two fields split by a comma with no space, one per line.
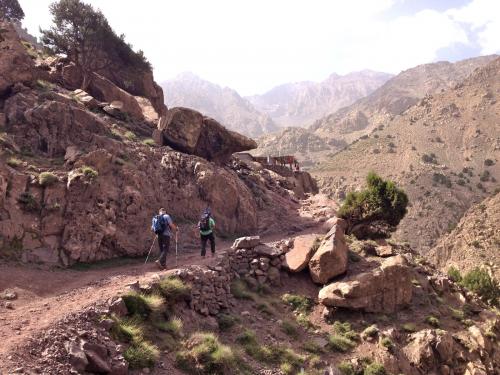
[164,245]
[204,238]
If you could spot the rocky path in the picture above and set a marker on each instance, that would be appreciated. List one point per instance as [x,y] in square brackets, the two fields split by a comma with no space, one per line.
[45,296]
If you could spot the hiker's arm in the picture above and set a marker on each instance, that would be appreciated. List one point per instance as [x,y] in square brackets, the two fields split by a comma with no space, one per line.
[173,226]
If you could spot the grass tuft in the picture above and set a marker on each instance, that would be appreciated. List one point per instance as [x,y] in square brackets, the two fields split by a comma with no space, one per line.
[47,179]
[298,303]
[14,162]
[432,321]
[174,289]
[374,369]
[141,355]
[240,290]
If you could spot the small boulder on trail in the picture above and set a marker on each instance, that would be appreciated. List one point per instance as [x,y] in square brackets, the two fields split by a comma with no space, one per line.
[385,289]
[331,258]
[297,259]
[246,242]
[188,131]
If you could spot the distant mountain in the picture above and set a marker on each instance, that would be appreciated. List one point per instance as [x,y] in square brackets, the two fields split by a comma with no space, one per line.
[223,104]
[300,103]
[395,97]
[375,110]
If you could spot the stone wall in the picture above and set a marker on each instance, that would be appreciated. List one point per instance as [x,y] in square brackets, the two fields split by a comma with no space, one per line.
[258,263]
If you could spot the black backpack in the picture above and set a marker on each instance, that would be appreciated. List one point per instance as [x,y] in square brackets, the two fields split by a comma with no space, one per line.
[204,223]
[158,224]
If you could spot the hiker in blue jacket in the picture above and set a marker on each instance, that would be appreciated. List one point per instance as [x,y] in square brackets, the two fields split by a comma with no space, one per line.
[163,226]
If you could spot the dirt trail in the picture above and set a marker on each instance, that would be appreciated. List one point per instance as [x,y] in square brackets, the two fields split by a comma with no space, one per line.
[44,296]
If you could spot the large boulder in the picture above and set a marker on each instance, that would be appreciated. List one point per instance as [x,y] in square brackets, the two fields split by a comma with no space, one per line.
[297,259]
[16,66]
[385,289]
[105,90]
[331,258]
[188,131]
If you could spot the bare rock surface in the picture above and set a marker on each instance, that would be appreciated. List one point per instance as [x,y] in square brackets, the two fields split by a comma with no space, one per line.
[385,289]
[15,64]
[331,258]
[297,259]
[189,131]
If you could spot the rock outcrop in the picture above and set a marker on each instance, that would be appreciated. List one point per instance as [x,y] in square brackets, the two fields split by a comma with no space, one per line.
[297,259]
[190,132]
[331,258]
[105,90]
[16,65]
[385,289]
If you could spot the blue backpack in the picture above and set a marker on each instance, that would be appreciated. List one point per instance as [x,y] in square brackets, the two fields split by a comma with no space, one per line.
[158,224]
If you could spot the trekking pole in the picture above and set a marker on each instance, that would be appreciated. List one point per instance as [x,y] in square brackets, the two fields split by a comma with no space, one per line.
[176,250]
[151,248]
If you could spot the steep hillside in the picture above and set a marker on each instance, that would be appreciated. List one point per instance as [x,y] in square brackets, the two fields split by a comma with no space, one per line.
[300,103]
[475,240]
[445,151]
[221,103]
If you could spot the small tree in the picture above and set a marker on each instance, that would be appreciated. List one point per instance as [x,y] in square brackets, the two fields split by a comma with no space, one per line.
[11,10]
[382,203]
[84,35]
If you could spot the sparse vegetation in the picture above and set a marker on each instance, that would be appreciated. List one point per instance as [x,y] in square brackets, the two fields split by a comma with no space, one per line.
[141,354]
[14,162]
[130,135]
[454,274]
[141,305]
[370,331]
[346,368]
[203,353]
[149,142]
[375,369]
[441,179]
[432,321]
[28,202]
[300,304]
[174,289]
[89,173]
[429,159]
[489,162]
[289,328]
[226,321]
[479,281]
[240,291]
[380,201]
[409,327]
[343,337]
[47,179]
[387,343]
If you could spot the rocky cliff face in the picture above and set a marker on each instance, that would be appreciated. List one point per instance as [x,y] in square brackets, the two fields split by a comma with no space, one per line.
[222,104]
[80,179]
[474,242]
[301,103]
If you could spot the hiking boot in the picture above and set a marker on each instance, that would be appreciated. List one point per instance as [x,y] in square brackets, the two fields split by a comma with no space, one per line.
[160,266]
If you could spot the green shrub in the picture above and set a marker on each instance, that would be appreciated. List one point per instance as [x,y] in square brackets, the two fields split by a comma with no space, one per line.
[240,291]
[340,343]
[387,343]
[289,328]
[127,330]
[432,321]
[430,159]
[298,303]
[454,274]
[226,321]
[312,347]
[480,282]
[173,326]
[370,331]
[14,162]
[380,201]
[149,142]
[130,135]
[346,368]
[141,355]
[441,179]
[174,289]
[374,369]
[47,179]
[204,354]
[142,305]
[28,202]
[489,162]
[89,172]
[409,327]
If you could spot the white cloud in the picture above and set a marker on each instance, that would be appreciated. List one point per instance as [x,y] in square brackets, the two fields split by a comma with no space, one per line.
[254,45]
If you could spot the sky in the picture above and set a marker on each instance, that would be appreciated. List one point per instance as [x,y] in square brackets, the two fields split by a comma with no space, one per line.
[254,45]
